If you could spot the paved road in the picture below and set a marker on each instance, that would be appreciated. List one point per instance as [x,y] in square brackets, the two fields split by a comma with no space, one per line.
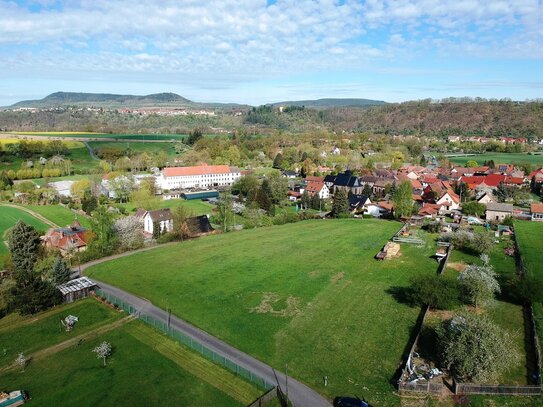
[299,394]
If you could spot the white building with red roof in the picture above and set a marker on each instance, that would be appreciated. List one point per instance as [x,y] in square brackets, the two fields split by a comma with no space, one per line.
[199,176]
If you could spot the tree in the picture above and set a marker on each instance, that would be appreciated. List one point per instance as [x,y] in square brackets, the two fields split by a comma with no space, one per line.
[129,232]
[479,284]
[367,191]
[103,351]
[340,204]
[472,164]
[104,241]
[80,188]
[247,187]
[475,349]
[403,200]
[278,161]
[194,136]
[265,197]
[180,215]
[278,187]
[316,202]
[89,202]
[225,210]
[143,198]
[60,272]
[21,361]
[306,199]
[122,186]
[473,208]
[156,229]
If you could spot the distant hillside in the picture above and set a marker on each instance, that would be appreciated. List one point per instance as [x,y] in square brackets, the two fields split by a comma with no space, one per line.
[107,100]
[331,103]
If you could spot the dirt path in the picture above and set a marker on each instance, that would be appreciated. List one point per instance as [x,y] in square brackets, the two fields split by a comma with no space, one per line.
[31,212]
[44,353]
[91,151]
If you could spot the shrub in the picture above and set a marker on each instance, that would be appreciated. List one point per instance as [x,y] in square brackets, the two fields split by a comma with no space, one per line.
[439,292]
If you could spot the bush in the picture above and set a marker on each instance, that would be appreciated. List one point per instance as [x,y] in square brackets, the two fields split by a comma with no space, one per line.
[439,292]
[166,238]
[476,243]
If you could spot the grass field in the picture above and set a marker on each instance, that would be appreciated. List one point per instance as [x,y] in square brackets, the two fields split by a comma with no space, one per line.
[309,295]
[146,368]
[501,158]
[60,215]
[8,217]
[530,240]
[20,334]
[196,206]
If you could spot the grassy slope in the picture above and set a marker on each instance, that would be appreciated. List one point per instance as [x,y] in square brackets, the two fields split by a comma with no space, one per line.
[60,215]
[501,158]
[20,334]
[530,241]
[136,147]
[8,218]
[348,328]
[136,375]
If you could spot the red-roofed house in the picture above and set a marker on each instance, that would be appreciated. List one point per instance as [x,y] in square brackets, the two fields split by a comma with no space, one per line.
[319,188]
[67,240]
[536,210]
[449,200]
[199,176]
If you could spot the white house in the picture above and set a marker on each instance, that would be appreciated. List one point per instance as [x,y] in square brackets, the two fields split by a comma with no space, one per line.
[536,209]
[161,217]
[316,187]
[450,200]
[200,176]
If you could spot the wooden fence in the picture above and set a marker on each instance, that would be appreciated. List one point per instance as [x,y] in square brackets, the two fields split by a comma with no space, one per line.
[443,262]
[426,387]
[263,400]
[399,239]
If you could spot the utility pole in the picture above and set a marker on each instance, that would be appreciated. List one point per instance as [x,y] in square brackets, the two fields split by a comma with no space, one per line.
[286,379]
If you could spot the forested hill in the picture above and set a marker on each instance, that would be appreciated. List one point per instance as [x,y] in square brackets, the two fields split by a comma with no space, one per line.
[452,116]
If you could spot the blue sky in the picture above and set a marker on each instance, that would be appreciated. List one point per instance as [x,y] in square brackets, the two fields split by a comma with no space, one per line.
[258,51]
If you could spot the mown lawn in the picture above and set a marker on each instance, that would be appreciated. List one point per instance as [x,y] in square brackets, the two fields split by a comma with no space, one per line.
[31,333]
[530,241]
[58,214]
[309,295]
[150,148]
[8,217]
[196,206]
[143,370]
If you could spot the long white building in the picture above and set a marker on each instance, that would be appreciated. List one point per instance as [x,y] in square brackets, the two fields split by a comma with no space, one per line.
[201,176]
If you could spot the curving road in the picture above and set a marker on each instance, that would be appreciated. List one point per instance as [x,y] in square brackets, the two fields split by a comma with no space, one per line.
[299,394]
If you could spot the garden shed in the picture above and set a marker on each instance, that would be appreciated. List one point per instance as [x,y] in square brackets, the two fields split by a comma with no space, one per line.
[76,289]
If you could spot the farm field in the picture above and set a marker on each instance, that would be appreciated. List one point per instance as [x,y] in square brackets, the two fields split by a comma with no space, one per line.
[500,158]
[196,206]
[8,217]
[145,368]
[309,295]
[58,214]
[104,135]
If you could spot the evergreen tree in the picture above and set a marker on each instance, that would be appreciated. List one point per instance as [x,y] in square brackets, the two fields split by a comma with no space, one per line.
[367,190]
[306,200]
[194,136]
[89,202]
[156,229]
[278,161]
[340,205]
[265,197]
[316,202]
[31,293]
[60,273]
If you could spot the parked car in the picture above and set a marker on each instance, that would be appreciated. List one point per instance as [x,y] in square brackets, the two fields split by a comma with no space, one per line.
[350,402]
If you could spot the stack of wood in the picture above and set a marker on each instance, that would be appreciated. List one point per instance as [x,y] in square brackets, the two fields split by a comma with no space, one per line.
[392,250]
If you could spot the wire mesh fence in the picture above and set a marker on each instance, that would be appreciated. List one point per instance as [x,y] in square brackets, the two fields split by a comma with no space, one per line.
[188,341]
